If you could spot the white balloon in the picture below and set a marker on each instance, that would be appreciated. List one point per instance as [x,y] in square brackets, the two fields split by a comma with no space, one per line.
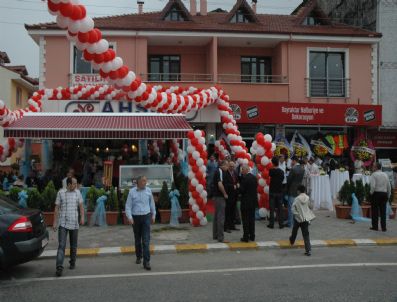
[102,46]
[200,162]
[197,133]
[265,161]
[267,189]
[74,26]
[194,182]
[87,24]
[260,151]
[200,215]
[268,138]
[274,147]
[201,140]
[261,182]
[81,46]
[200,188]
[63,22]
[263,212]
[191,201]
[203,221]
[196,155]
[117,63]
[195,208]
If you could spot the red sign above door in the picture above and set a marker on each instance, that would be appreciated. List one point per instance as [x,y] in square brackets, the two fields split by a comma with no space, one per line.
[307,113]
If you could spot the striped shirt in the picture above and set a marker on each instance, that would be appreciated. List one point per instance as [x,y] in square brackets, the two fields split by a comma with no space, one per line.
[68,202]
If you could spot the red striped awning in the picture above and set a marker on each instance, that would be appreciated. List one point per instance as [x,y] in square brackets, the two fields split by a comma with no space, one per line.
[99,126]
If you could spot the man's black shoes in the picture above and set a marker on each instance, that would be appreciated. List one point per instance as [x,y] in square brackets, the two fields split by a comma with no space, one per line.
[147,266]
[138,260]
[72,266]
[243,239]
[58,272]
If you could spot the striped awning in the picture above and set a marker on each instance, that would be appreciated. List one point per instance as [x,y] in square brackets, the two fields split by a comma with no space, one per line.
[99,126]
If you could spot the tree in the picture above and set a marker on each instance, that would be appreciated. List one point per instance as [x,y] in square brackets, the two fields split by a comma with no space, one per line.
[164,199]
[48,197]
[360,191]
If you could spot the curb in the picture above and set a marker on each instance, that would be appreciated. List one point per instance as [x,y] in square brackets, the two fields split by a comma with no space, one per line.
[233,246]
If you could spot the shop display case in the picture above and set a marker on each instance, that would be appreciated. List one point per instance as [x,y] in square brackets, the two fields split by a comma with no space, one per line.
[156,175]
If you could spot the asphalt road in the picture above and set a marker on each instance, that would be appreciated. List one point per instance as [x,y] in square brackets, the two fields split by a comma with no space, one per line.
[330,274]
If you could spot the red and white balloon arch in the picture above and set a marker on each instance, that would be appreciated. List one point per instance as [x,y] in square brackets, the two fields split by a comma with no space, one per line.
[125,85]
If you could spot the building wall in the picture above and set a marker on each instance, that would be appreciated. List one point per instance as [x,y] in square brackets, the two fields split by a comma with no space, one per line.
[57,62]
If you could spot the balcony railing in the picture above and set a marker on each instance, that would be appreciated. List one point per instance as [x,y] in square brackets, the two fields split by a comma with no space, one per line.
[259,79]
[328,87]
[177,77]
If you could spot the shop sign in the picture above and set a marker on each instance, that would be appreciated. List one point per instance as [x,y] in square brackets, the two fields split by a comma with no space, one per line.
[383,139]
[87,79]
[102,106]
[306,113]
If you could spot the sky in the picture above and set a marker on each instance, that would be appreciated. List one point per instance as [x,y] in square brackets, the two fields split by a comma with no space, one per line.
[22,50]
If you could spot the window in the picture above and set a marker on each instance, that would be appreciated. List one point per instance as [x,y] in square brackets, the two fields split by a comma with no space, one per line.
[311,20]
[80,65]
[256,69]
[327,74]
[164,68]
[240,17]
[19,96]
[174,15]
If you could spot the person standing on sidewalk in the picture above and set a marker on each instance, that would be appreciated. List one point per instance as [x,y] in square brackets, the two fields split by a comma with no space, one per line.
[380,191]
[230,184]
[276,194]
[249,201]
[220,196]
[141,212]
[66,220]
[302,217]
[294,180]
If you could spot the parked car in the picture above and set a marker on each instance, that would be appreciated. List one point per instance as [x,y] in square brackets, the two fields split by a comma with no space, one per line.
[23,234]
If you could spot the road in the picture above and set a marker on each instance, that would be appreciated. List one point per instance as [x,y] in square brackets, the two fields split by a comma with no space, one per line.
[330,274]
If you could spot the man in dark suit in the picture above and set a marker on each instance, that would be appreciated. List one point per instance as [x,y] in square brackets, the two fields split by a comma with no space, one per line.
[230,184]
[294,180]
[249,201]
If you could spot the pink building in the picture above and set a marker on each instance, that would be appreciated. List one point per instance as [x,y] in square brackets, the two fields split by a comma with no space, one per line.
[282,72]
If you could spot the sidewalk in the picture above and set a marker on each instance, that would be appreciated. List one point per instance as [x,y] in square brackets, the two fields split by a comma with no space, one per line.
[325,230]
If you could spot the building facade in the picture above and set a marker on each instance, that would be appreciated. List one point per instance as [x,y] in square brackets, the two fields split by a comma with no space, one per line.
[282,73]
[15,89]
[380,16]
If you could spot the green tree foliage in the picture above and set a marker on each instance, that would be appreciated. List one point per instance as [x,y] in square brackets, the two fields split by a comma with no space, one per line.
[48,197]
[164,199]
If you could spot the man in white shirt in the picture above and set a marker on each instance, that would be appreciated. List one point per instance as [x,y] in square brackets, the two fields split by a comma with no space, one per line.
[380,191]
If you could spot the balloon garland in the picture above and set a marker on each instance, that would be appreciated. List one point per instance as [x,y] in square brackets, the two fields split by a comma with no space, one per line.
[221,150]
[263,149]
[176,153]
[197,156]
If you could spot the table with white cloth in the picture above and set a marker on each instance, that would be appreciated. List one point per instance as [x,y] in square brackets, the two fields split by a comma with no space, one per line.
[363,177]
[321,192]
[337,180]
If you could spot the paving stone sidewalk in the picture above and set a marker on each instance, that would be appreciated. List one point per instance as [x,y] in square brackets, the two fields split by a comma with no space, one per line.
[325,227]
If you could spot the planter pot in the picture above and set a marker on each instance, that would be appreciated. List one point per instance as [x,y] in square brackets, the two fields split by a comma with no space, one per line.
[125,220]
[366,210]
[185,216]
[165,216]
[48,218]
[343,212]
[112,217]
[89,214]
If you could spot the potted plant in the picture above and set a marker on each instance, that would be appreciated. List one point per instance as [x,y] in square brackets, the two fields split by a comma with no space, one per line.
[343,210]
[34,199]
[112,206]
[361,196]
[92,196]
[123,200]
[13,193]
[48,197]
[164,204]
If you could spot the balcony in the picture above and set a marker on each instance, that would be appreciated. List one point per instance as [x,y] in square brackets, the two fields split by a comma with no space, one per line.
[327,87]
[176,77]
[252,79]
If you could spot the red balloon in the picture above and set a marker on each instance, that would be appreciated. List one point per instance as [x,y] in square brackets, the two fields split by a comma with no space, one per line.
[66,9]
[123,71]
[98,58]
[77,13]
[190,135]
[269,154]
[92,36]
[195,194]
[268,145]
[113,74]
[83,37]
[83,11]
[195,169]
[53,6]
[88,56]
[196,222]
[103,74]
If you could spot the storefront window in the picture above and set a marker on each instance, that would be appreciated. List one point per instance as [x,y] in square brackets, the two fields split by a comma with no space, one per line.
[164,68]
[256,69]
[327,74]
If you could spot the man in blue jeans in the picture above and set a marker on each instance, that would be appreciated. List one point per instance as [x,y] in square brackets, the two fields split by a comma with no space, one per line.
[66,220]
[141,212]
